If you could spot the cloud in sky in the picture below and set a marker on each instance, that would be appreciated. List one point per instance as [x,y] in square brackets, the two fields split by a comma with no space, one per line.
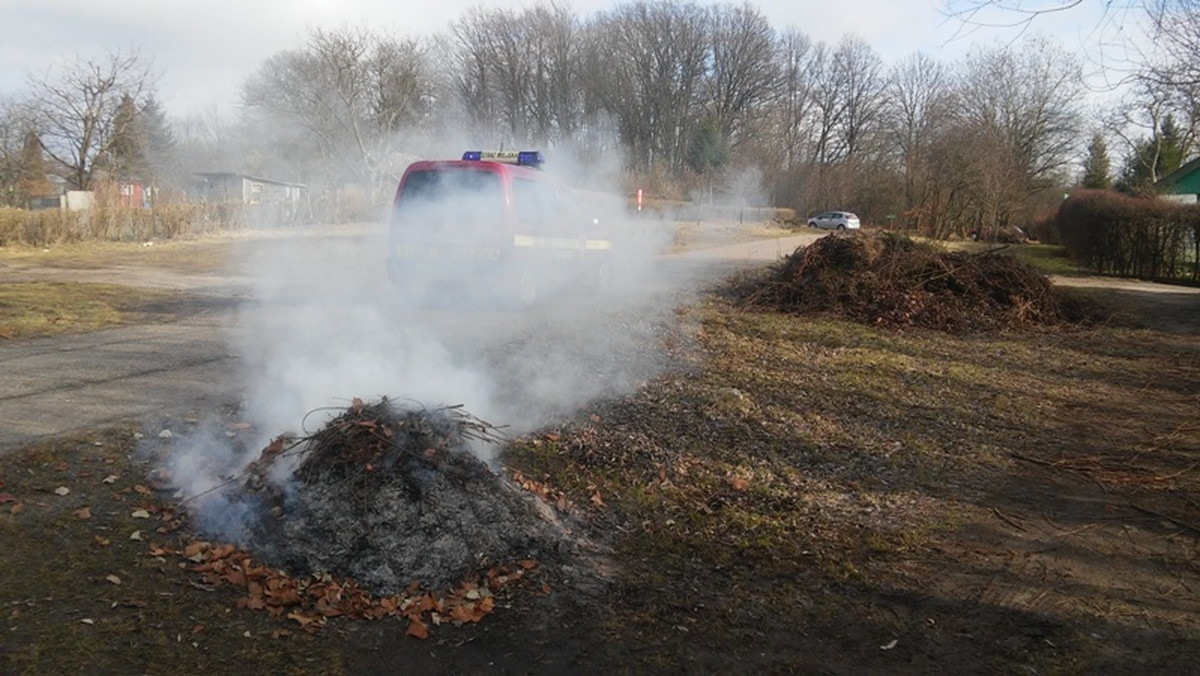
[204,51]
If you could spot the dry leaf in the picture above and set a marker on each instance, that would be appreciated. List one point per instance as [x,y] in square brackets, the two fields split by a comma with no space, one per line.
[17,508]
[6,498]
[737,483]
[113,579]
[140,514]
[83,513]
[597,500]
[142,489]
[62,490]
[136,535]
[417,629]
[111,478]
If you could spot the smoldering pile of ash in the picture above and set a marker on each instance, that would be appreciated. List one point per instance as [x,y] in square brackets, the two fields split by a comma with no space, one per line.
[387,496]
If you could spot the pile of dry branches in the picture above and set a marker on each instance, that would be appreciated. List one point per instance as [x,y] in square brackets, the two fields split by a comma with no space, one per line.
[892,281]
[384,495]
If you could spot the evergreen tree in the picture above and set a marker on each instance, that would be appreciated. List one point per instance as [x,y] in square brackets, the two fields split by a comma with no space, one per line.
[32,181]
[124,156]
[159,144]
[1154,158]
[1096,167]
[709,150]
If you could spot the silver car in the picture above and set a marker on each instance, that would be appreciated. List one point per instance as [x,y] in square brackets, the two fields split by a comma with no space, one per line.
[835,220]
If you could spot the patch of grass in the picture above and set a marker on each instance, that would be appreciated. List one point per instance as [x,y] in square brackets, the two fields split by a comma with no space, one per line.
[803,464]
[81,592]
[796,495]
[1049,258]
[35,309]
[194,256]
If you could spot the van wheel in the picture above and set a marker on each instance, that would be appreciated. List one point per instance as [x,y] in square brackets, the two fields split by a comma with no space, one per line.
[603,279]
[841,226]
[527,288]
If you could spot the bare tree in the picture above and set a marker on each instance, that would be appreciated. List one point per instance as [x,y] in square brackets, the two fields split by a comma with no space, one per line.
[1029,94]
[796,99]
[655,59]
[351,91]
[858,90]
[1175,33]
[517,73]
[744,74]
[77,106]
[918,108]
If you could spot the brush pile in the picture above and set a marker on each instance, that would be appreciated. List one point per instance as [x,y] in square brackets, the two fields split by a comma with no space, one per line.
[892,281]
[386,496]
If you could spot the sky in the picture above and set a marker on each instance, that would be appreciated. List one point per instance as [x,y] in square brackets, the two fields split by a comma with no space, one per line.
[203,51]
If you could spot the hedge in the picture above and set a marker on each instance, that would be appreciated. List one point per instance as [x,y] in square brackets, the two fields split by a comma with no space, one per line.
[1115,234]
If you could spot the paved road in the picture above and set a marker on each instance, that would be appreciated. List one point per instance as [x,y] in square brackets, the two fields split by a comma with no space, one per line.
[54,386]
[191,367]
[185,369]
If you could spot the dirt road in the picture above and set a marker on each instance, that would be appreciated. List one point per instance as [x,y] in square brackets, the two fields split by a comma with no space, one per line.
[54,386]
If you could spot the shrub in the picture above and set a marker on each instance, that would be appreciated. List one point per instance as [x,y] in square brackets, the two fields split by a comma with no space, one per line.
[1143,237]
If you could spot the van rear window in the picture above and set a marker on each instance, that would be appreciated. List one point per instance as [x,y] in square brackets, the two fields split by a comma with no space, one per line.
[453,186]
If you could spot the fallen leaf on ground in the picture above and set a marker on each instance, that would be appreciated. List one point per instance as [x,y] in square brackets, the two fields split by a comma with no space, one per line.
[62,490]
[111,478]
[140,514]
[83,513]
[6,498]
[417,629]
[889,645]
[88,620]
[113,579]
[135,535]
[17,508]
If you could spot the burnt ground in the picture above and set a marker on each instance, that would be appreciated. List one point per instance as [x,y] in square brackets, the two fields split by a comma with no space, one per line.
[795,495]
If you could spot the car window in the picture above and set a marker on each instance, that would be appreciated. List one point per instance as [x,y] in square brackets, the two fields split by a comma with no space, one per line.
[452,186]
[534,202]
[450,195]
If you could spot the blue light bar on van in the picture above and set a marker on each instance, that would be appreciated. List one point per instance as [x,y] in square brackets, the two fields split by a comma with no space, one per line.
[525,158]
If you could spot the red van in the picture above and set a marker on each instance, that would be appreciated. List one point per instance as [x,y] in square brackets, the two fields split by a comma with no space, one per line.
[494,220]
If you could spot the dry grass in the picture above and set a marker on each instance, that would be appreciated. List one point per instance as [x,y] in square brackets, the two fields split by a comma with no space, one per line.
[796,495]
[192,256]
[36,309]
[806,470]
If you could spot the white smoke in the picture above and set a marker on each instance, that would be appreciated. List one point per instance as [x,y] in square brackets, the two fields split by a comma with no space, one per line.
[325,326]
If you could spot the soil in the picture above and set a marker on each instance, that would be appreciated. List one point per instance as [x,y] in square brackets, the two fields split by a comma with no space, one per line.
[795,495]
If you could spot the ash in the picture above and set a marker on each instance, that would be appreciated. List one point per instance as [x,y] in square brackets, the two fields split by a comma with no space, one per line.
[389,496]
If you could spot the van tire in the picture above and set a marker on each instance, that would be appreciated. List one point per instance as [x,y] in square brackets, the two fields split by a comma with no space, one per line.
[527,289]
